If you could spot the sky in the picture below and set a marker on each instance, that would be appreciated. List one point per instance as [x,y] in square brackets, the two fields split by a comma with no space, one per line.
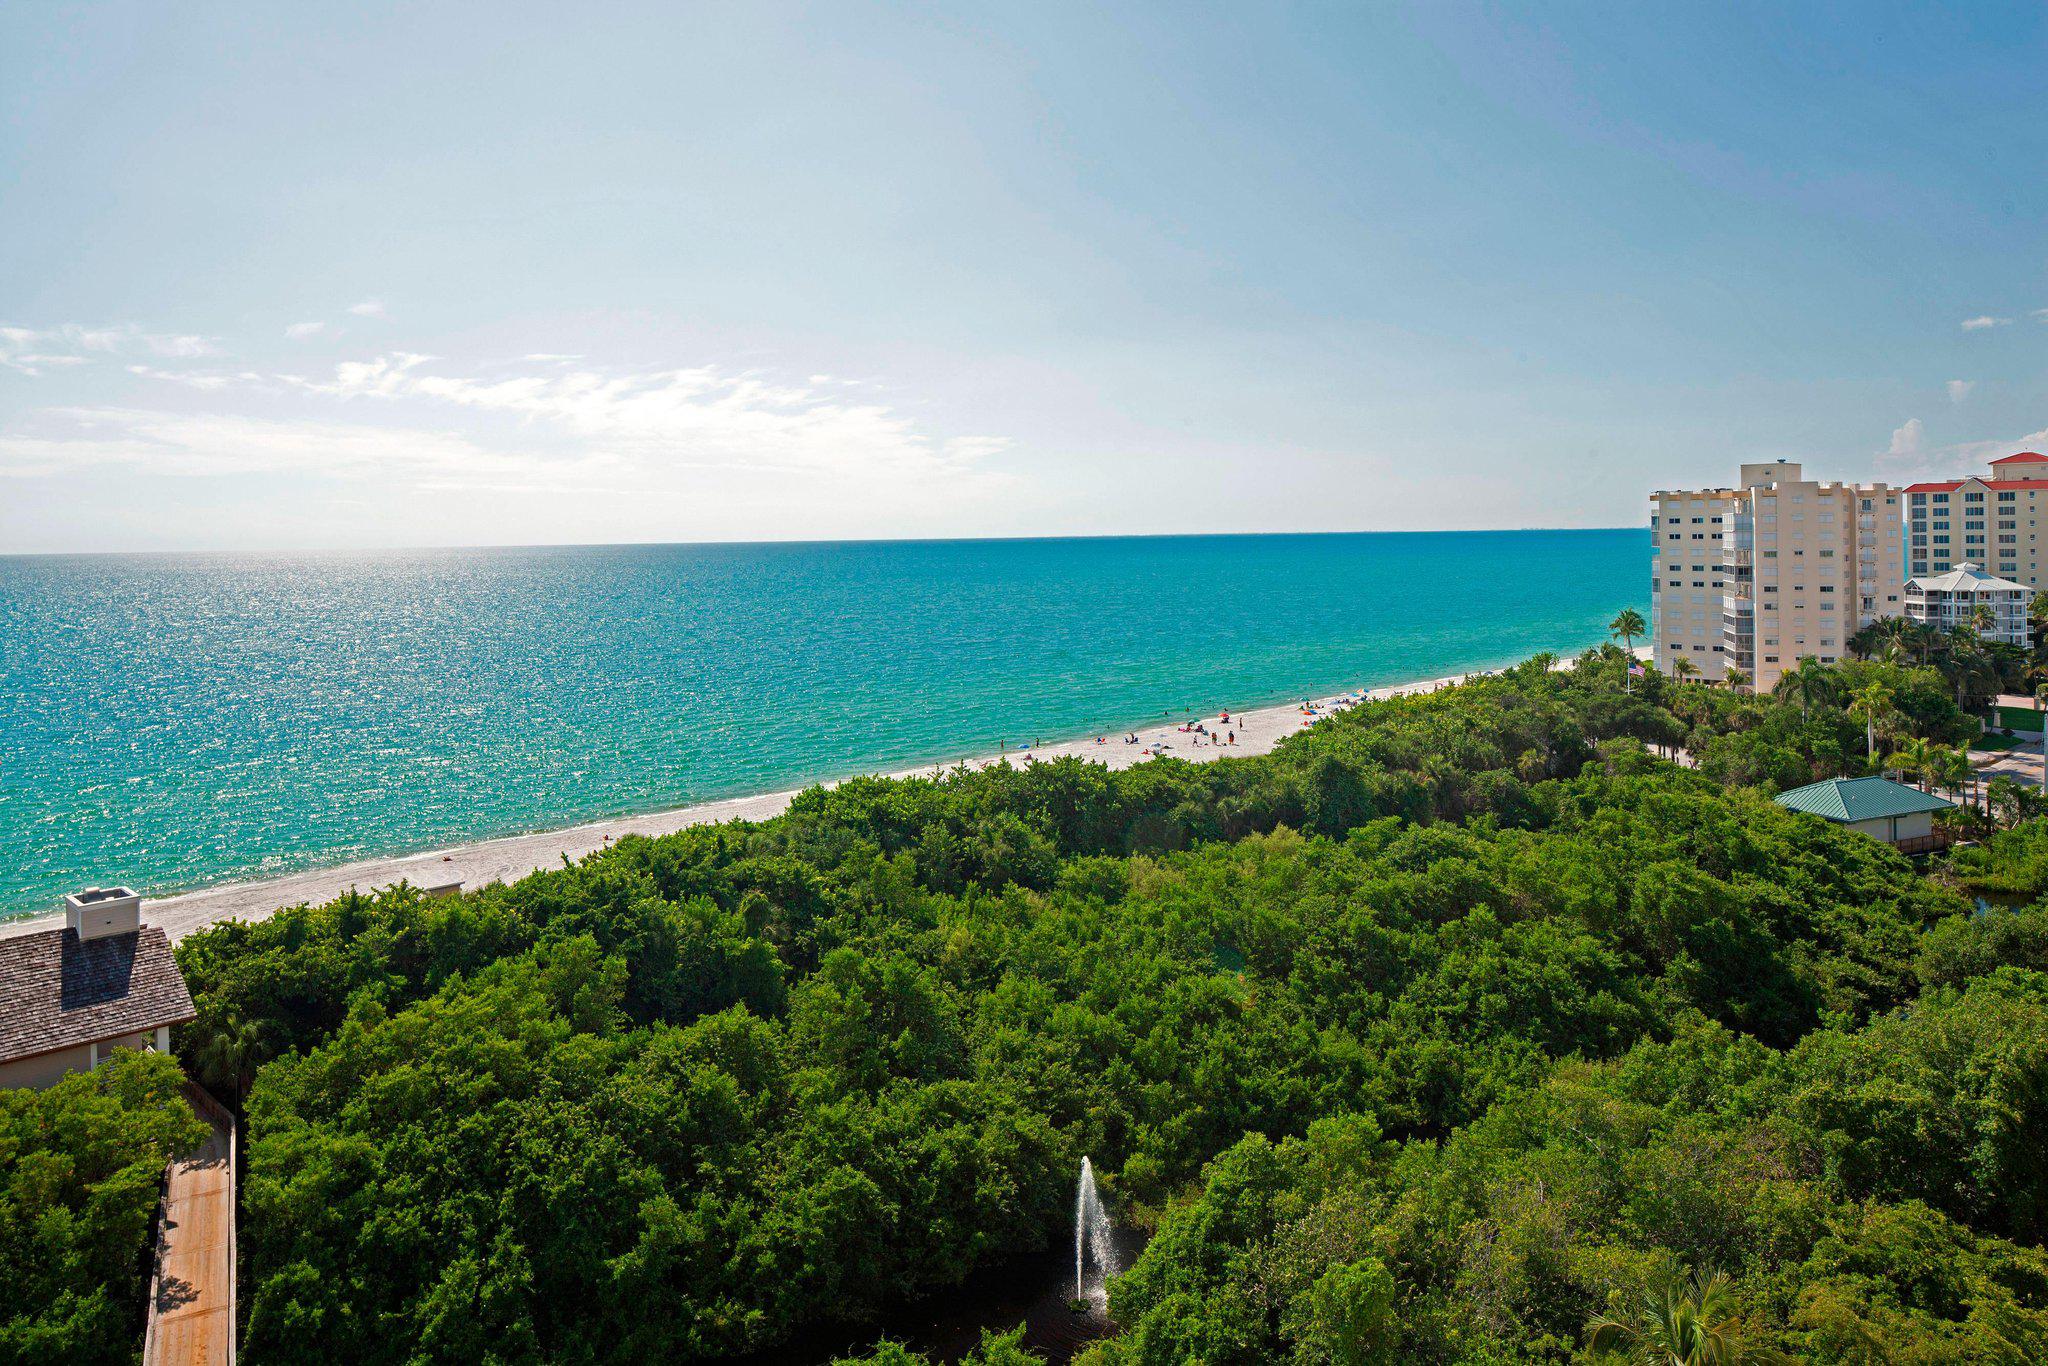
[362,275]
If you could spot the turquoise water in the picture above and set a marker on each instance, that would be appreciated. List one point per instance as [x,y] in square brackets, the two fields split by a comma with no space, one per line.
[172,721]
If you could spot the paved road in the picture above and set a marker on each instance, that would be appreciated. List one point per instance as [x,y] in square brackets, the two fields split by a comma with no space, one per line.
[192,1299]
[2022,765]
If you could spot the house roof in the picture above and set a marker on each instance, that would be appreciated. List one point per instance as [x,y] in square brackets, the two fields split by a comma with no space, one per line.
[1951,485]
[2023,458]
[57,991]
[1860,799]
[1966,578]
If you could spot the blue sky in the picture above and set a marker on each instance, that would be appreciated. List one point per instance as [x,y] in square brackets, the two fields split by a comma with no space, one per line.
[340,275]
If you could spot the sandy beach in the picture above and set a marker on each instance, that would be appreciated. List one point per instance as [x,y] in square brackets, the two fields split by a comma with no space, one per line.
[511,857]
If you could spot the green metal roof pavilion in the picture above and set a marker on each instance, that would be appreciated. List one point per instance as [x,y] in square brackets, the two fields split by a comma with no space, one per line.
[1850,800]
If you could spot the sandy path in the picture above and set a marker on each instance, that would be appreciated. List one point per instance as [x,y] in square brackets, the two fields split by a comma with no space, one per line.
[511,857]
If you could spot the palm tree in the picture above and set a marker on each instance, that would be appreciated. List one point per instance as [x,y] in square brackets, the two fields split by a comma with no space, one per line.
[1685,1321]
[1956,773]
[1970,665]
[2041,705]
[227,1052]
[1628,626]
[1909,637]
[1809,681]
[1734,677]
[1873,702]
[1683,668]
[1915,759]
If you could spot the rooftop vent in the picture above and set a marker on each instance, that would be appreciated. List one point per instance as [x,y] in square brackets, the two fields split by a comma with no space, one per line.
[98,912]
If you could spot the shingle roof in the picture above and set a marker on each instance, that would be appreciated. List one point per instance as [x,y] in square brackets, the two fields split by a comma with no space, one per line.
[59,992]
[1860,799]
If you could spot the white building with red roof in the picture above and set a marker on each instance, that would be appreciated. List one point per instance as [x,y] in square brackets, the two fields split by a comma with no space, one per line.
[1995,520]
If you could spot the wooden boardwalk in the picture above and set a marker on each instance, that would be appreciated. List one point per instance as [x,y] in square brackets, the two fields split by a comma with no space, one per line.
[192,1289]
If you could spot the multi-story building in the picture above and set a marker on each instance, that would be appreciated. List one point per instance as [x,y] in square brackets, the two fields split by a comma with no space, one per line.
[1994,521]
[1759,576]
[1947,601]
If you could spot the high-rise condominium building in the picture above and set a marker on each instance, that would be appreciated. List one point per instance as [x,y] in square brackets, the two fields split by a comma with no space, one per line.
[1759,576]
[1994,521]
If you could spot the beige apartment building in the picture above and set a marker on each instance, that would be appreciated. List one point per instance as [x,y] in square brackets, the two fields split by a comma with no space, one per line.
[1780,567]
[1994,521]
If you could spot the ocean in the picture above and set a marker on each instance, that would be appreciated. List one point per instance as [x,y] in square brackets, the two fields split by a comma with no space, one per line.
[173,721]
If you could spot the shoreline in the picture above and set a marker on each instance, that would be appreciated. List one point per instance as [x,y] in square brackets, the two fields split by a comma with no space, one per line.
[506,858]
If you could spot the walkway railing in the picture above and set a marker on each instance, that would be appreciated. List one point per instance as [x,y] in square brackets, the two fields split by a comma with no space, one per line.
[192,1285]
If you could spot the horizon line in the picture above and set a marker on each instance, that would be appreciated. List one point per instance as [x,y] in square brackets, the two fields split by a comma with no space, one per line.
[295,551]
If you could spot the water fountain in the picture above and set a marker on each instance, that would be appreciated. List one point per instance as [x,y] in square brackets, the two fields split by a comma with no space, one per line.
[1094,1248]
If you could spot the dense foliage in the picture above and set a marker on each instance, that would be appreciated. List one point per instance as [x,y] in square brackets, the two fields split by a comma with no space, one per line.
[80,1168]
[1456,1022]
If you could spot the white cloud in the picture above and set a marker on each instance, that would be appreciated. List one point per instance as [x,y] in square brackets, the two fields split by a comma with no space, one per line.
[2041,315]
[213,444]
[301,331]
[529,447]
[1982,321]
[30,349]
[193,379]
[1911,457]
[702,415]
[1959,389]
[368,308]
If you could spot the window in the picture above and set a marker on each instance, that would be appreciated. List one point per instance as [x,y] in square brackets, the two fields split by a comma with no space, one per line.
[1973,497]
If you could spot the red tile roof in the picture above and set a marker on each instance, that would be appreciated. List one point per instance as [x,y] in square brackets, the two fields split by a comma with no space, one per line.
[58,992]
[1950,485]
[2024,457]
